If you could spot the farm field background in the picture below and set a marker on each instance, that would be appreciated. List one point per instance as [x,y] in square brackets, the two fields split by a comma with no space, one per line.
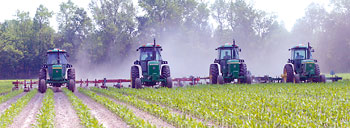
[266,105]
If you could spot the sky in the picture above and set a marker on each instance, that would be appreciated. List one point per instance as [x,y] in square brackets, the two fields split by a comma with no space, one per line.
[288,11]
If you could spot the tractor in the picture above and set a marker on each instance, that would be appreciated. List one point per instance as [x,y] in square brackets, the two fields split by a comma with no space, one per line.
[56,71]
[228,67]
[301,67]
[150,69]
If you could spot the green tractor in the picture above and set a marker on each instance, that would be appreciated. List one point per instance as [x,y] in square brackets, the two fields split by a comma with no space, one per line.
[150,70]
[58,69]
[301,67]
[228,67]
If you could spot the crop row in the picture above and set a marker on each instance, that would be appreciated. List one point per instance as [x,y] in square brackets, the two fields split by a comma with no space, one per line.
[164,113]
[82,111]
[9,95]
[15,108]
[272,105]
[46,115]
[122,111]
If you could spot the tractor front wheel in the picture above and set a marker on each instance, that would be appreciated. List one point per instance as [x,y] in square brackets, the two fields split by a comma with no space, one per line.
[42,86]
[288,74]
[71,85]
[169,82]
[220,79]
[42,73]
[138,84]
[213,73]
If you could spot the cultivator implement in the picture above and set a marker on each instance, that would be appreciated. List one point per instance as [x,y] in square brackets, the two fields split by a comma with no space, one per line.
[27,85]
[267,79]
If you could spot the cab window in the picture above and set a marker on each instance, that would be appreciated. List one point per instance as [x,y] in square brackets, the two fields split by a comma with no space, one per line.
[53,57]
[146,54]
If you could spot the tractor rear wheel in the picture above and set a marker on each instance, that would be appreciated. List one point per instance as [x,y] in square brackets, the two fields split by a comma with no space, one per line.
[165,75]
[288,73]
[296,78]
[243,69]
[322,78]
[138,84]
[213,73]
[134,74]
[42,86]
[220,79]
[317,70]
[169,82]
[71,85]
[42,74]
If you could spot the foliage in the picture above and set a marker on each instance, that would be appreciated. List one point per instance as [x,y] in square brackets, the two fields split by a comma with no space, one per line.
[46,116]
[122,111]
[82,111]
[9,114]
[164,113]
[259,105]
[9,95]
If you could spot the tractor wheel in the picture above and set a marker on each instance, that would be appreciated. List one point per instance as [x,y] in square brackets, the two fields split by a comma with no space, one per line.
[317,70]
[71,74]
[42,86]
[138,84]
[220,79]
[165,74]
[243,70]
[169,82]
[71,85]
[42,74]
[213,73]
[322,78]
[288,74]
[296,78]
[134,74]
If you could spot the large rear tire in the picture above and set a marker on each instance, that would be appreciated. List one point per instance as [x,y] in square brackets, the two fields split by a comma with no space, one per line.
[169,82]
[165,75]
[288,74]
[42,74]
[71,74]
[213,73]
[243,70]
[220,79]
[42,86]
[138,84]
[71,85]
[317,70]
[134,73]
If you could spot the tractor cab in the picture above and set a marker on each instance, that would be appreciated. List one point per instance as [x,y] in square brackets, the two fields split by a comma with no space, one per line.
[301,55]
[150,56]
[57,64]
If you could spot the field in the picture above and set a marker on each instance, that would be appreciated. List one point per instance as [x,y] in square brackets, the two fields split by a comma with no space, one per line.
[257,105]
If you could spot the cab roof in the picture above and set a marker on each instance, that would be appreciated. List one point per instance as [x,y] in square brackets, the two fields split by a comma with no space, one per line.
[300,46]
[56,50]
[150,45]
[228,45]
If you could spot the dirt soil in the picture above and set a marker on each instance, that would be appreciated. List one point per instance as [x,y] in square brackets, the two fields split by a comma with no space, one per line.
[6,104]
[102,114]
[159,123]
[29,112]
[66,116]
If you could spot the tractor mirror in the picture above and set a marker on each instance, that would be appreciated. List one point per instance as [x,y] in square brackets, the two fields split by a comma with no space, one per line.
[137,62]
[67,55]
[216,61]
[312,50]
[161,49]
[137,49]
[240,50]
[288,49]
[316,61]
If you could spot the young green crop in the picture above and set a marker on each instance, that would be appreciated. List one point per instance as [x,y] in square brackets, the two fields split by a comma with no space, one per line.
[259,105]
[15,108]
[10,95]
[122,111]
[162,112]
[46,116]
[82,111]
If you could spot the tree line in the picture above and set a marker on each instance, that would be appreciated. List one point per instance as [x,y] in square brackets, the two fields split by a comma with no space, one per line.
[116,27]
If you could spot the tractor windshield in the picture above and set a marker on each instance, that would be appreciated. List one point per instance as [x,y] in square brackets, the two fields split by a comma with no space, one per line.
[52,58]
[299,54]
[228,53]
[146,54]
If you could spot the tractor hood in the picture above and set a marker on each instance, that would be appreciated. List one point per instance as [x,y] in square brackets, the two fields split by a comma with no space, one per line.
[57,72]
[154,69]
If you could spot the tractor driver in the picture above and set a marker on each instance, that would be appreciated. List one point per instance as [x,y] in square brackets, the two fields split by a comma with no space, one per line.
[149,56]
[227,56]
[299,56]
